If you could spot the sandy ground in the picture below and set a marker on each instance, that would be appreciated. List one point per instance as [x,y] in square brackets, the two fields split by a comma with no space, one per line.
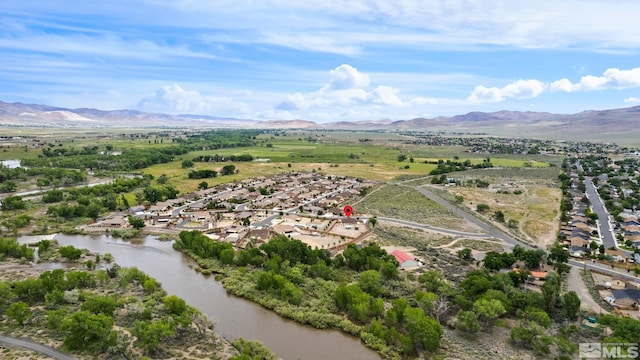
[575,283]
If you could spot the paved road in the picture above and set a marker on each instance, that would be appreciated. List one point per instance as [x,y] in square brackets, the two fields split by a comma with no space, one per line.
[590,265]
[606,233]
[28,344]
[603,217]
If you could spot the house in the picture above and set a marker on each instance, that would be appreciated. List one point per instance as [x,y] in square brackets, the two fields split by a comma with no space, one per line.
[283,229]
[579,251]
[578,241]
[406,261]
[616,284]
[260,235]
[626,297]
[114,222]
[137,210]
[617,255]
[538,275]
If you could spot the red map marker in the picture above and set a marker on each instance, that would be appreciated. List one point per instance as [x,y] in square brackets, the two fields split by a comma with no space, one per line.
[348,210]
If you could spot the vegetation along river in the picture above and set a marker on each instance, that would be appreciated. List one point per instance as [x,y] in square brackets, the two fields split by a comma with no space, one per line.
[233,316]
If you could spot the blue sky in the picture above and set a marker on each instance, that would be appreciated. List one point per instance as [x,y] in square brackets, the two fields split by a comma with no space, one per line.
[321,60]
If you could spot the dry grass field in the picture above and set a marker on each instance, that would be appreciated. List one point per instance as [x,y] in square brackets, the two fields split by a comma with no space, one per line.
[533,203]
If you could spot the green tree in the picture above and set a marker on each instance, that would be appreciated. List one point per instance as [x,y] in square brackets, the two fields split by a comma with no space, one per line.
[86,331]
[482,207]
[100,305]
[551,291]
[571,304]
[498,216]
[424,331]
[467,321]
[53,196]
[226,256]
[70,252]
[187,164]
[373,221]
[228,170]
[203,185]
[30,290]
[532,258]
[13,203]
[150,334]
[136,222]
[369,282]
[465,254]
[434,282]
[163,179]
[174,305]
[489,310]
[19,312]
[6,296]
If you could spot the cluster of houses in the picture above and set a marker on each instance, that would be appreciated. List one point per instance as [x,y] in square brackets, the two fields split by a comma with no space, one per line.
[621,293]
[306,206]
[581,231]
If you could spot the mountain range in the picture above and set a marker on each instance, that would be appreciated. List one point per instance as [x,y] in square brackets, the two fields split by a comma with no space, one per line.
[588,125]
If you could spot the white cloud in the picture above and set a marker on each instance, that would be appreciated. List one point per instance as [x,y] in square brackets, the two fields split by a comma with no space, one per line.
[347,77]
[175,99]
[612,78]
[107,45]
[346,87]
[385,95]
[632,99]
[309,42]
[520,89]
[561,85]
[588,25]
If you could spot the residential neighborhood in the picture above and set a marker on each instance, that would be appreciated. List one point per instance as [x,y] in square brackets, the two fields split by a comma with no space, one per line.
[305,206]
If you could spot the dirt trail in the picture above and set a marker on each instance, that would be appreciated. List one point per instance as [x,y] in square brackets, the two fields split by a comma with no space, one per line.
[455,241]
[575,283]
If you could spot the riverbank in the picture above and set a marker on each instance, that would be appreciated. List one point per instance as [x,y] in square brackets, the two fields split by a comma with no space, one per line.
[133,306]
[317,311]
[234,317]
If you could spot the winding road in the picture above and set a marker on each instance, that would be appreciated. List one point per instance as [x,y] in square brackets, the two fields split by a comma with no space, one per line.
[37,347]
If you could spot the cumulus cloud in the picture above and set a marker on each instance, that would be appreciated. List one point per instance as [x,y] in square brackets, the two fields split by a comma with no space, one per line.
[612,78]
[346,87]
[347,77]
[520,89]
[175,99]
[632,99]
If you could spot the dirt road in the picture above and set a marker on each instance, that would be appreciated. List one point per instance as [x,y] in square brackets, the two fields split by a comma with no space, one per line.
[586,301]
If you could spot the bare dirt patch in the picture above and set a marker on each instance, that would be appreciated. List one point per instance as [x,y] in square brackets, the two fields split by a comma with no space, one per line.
[530,202]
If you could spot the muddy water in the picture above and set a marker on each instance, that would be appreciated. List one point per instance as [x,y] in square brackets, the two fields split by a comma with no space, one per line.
[234,317]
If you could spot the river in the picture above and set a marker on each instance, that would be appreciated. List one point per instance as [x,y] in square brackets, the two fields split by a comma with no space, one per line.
[233,316]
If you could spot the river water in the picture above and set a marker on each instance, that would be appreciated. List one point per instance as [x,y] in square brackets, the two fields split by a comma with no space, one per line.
[233,316]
